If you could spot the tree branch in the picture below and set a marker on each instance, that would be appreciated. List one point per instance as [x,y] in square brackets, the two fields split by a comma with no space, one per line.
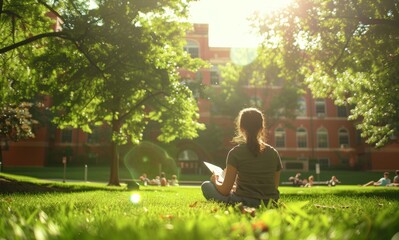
[51,9]
[375,21]
[150,95]
[34,38]
[369,21]
[343,49]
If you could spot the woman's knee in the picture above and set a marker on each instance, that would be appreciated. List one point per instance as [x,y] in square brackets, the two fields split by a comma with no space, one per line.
[208,189]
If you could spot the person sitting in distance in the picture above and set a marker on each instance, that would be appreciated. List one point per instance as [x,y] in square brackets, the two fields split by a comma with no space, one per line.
[174,181]
[144,179]
[395,182]
[310,181]
[384,181]
[333,181]
[164,181]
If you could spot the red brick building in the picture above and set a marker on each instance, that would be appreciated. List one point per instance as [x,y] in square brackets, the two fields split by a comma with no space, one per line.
[320,134]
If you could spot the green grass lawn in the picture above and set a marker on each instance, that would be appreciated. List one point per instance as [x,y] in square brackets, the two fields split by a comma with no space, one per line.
[98,212]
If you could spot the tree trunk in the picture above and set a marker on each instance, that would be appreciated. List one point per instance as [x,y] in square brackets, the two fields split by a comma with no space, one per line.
[114,174]
[1,158]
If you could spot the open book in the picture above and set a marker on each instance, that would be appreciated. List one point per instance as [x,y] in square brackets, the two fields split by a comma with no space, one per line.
[215,170]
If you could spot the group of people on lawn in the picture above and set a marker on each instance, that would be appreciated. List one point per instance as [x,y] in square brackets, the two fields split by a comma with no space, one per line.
[160,180]
[309,182]
[385,181]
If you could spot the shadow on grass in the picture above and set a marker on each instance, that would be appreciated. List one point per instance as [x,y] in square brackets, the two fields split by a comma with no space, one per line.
[11,185]
[16,185]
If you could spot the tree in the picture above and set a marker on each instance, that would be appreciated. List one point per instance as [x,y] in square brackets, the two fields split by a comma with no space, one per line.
[117,64]
[348,51]
[16,123]
[261,74]
[18,91]
[228,98]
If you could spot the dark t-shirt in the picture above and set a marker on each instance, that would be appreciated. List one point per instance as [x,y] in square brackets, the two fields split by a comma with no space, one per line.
[255,174]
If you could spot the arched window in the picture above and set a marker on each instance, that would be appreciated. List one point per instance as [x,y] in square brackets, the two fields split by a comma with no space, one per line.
[301,110]
[188,155]
[302,137]
[192,48]
[322,138]
[279,137]
[343,137]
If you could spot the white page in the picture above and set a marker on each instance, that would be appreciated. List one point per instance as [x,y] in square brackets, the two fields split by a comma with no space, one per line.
[216,170]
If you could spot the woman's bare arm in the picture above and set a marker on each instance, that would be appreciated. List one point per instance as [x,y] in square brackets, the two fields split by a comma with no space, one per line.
[230,176]
[277,179]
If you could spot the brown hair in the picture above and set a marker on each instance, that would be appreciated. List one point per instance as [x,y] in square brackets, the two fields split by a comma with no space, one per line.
[250,129]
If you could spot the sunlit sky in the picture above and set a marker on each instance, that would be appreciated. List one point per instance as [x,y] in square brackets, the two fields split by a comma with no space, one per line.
[228,19]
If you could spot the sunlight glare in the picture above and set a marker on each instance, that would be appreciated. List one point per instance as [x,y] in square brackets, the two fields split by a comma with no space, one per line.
[228,19]
[135,198]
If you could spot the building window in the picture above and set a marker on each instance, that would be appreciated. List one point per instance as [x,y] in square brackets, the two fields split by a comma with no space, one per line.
[188,161]
[344,161]
[192,48]
[343,137]
[322,138]
[215,76]
[294,166]
[94,136]
[66,135]
[302,137]
[320,107]
[301,110]
[342,111]
[279,137]
[323,162]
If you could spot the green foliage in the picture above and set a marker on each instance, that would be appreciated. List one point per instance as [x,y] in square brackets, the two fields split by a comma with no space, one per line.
[345,50]
[115,64]
[16,122]
[19,20]
[261,77]
[119,66]
[228,98]
[149,158]
[183,213]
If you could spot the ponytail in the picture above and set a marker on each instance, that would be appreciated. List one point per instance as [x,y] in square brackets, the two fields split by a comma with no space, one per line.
[250,129]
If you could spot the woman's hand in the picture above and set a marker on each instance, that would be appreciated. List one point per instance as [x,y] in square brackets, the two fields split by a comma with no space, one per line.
[214,178]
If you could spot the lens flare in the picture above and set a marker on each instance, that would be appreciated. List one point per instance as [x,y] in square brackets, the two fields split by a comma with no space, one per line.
[135,198]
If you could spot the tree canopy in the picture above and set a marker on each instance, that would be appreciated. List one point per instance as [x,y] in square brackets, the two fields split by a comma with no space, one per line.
[261,75]
[115,64]
[345,50]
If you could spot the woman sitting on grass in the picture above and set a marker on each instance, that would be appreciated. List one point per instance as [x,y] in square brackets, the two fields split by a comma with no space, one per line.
[253,165]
